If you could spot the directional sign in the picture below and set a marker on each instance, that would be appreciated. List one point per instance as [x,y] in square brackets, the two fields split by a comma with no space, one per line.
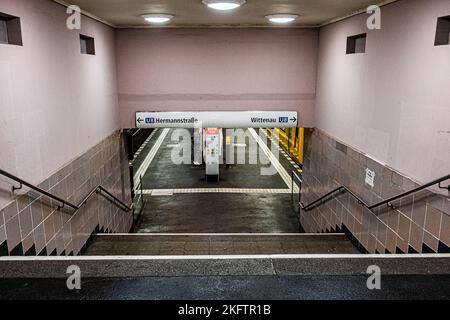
[220,119]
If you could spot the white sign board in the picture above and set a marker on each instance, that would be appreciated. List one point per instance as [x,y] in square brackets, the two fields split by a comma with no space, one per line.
[220,119]
[370,177]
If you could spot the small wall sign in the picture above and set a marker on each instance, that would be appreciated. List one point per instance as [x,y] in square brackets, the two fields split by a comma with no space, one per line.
[370,177]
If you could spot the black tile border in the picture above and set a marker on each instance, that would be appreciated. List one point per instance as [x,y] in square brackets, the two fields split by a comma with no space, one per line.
[443,248]
[31,252]
[17,251]
[4,249]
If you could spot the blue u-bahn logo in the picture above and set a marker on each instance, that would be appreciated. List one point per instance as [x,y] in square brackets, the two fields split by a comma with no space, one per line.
[150,120]
[284,120]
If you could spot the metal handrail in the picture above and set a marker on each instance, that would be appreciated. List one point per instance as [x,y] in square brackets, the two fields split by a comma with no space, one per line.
[296,176]
[136,132]
[137,217]
[387,201]
[63,203]
[293,177]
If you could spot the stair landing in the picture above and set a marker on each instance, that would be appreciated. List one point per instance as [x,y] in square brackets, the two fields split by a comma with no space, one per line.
[219,244]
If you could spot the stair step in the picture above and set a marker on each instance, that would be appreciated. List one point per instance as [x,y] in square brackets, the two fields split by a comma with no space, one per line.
[219,244]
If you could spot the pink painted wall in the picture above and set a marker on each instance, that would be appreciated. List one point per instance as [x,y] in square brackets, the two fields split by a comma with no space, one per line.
[393,102]
[216,69]
[54,102]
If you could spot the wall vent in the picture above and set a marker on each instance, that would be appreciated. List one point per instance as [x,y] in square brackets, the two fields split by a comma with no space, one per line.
[442,32]
[87,45]
[10,30]
[356,44]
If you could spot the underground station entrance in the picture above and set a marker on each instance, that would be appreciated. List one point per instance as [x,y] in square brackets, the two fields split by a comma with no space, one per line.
[216,184]
[218,214]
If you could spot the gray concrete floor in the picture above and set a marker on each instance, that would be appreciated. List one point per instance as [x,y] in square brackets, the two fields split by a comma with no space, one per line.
[213,212]
[219,213]
[232,288]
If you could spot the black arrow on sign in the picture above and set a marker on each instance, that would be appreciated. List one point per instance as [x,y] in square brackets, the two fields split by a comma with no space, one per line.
[294,119]
[139,120]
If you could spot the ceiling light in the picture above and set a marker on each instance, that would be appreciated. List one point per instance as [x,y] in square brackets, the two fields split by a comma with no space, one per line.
[224,5]
[158,18]
[282,18]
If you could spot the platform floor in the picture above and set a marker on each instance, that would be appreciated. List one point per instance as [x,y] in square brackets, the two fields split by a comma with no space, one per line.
[162,173]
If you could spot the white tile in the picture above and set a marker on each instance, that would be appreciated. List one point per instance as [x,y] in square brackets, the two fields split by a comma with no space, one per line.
[163,192]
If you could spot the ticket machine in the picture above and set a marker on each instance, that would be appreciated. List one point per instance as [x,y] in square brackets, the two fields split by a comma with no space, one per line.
[213,138]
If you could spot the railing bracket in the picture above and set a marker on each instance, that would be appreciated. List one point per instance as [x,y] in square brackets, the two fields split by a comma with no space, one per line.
[390,205]
[443,187]
[14,189]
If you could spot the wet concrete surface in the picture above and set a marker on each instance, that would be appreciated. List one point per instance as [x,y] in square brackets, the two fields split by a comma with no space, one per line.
[232,288]
[219,213]
[214,212]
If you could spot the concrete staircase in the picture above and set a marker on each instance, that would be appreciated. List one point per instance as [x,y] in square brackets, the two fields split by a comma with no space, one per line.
[227,267]
[218,244]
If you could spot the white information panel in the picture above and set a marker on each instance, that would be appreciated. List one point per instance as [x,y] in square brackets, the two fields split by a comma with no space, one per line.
[370,177]
[220,119]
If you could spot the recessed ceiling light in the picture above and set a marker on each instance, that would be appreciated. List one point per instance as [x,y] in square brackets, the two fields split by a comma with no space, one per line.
[282,18]
[224,5]
[157,18]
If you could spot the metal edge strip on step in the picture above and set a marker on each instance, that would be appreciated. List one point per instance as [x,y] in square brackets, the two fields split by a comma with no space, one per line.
[220,234]
[230,257]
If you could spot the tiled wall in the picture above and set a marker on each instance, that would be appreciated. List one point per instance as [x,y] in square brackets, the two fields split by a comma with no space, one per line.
[33,225]
[418,223]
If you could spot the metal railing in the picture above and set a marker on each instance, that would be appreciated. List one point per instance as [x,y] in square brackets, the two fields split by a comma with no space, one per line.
[294,177]
[135,132]
[388,202]
[63,203]
[138,200]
